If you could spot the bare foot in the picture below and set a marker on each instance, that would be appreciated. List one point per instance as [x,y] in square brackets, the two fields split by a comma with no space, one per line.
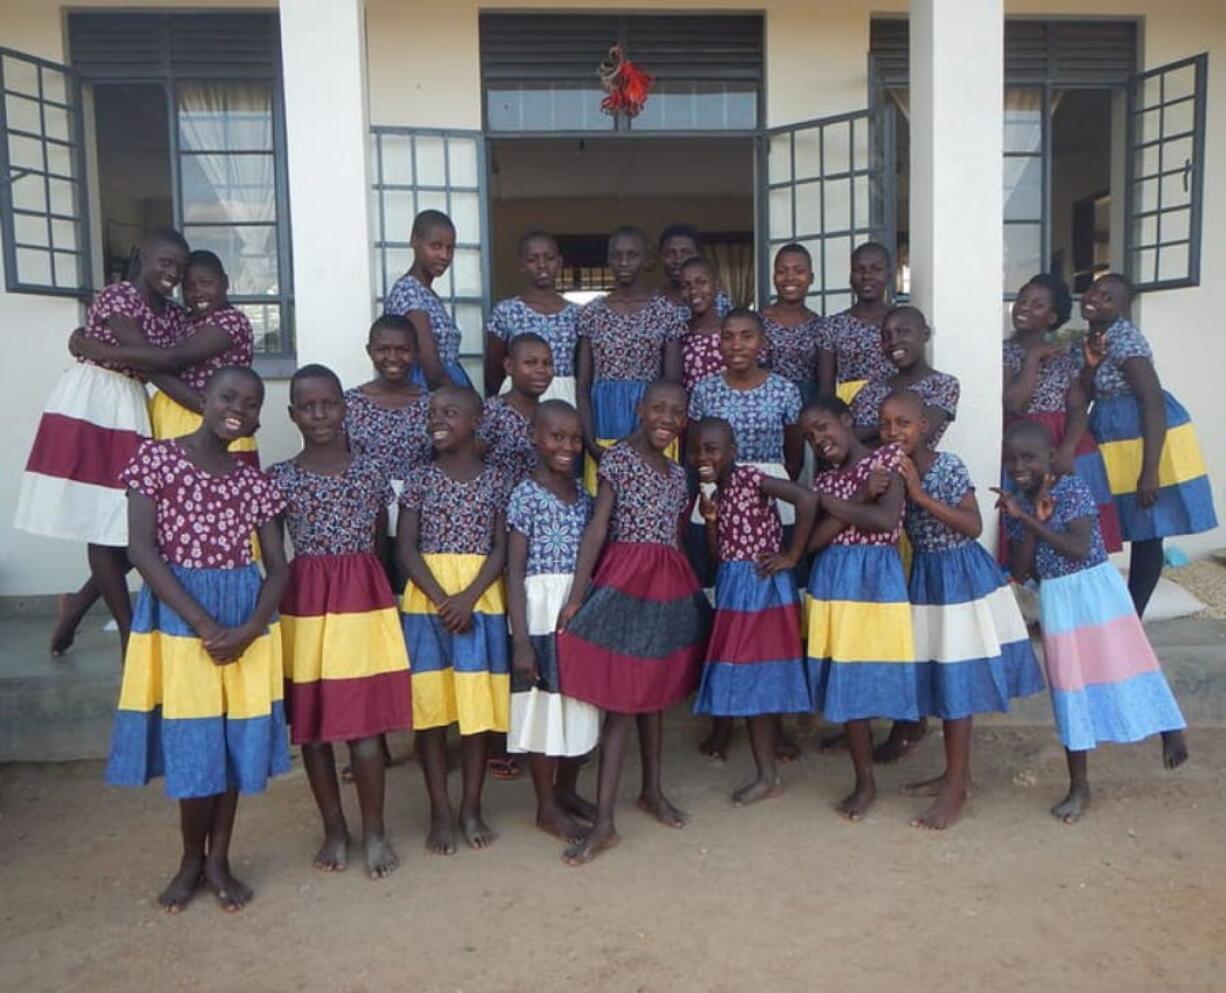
[716,743]
[66,620]
[183,886]
[929,787]
[441,839]
[599,839]
[1174,749]
[476,832]
[556,822]
[333,854]
[576,806]
[231,894]
[759,789]
[946,810]
[855,805]
[381,858]
[663,811]
[904,736]
[786,749]
[1070,809]
[832,743]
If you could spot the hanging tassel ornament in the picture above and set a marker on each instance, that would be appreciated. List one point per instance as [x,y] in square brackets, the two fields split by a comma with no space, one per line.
[625,83]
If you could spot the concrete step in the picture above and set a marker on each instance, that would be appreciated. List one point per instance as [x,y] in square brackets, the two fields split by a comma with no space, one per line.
[57,710]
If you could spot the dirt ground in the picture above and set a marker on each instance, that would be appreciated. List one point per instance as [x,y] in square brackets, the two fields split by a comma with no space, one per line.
[778,897]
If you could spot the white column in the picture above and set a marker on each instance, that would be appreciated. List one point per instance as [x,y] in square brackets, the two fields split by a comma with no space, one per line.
[323,55]
[957,79]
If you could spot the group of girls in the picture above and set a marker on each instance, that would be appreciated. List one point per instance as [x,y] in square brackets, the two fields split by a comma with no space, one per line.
[541,541]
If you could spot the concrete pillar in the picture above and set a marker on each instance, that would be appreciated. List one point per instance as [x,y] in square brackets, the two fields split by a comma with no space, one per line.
[956,236]
[323,56]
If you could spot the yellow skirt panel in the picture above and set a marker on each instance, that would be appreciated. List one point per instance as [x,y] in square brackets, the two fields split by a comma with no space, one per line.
[477,701]
[847,391]
[454,573]
[1181,460]
[857,631]
[342,646]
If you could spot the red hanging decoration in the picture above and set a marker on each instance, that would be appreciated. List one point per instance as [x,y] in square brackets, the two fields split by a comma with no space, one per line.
[625,83]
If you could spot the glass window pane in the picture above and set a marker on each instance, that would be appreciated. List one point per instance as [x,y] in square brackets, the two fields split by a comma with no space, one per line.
[64,234]
[1176,189]
[65,197]
[26,153]
[863,203]
[1145,230]
[1146,195]
[1023,189]
[779,158]
[462,160]
[29,193]
[1145,265]
[57,123]
[808,209]
[399,209]
[225,116]
[836,149]
[228,188]
[1023,252]
[55,85]
[1173,261]
[21,76]
[431,166]
[779,211]
[1023,119]
[265,321]
[468,317]
[1178,119]
[59,159]
[30,230]
[808,153]
[836,302]
[466,271]
[837,204]
[22,113]
[465,214]
[397,159]
[67,272]
[396,262]
[34,266]
[835,252]
[1176,224]
[249,255]
[1148,126]
[1179,83]
[432,200]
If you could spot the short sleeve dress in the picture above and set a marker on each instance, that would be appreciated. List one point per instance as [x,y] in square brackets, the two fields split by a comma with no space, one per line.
[512,317]
[506,433]
[856,346]
[792,352]
[394,437]
[937,389]
[408,295]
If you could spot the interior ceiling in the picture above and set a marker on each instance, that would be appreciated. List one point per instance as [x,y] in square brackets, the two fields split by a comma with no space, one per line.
[528,168]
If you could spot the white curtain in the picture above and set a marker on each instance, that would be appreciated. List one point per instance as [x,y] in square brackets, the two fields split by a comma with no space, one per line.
[215,120]
[734,265]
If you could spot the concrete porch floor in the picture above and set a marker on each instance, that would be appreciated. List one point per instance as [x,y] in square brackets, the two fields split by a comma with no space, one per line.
[58,710]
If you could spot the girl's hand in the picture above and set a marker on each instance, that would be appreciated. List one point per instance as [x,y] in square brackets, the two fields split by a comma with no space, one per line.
[1007,503]
[567,614]
[877,483]
[1094,348]
[770,564]
[208,630]
[707,508]
[523,661]
[456,613]
[1042,353]
[228,645]
[1062,461]
[594,451]
[910,477]
[81,347]
[1044,505]
[1147,488]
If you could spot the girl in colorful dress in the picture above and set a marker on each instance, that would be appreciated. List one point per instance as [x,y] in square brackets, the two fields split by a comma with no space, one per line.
[755,664]
[506,421]
[385,419]
[452,546]
[678,244]
[92,425]
[201,700]
[1043,383]
[412,296]
[346,671]
[546,517]
[1154,464]
[971,642]
[539,309]
[904,333]
[851,352]
[794,333]
[1106,683]
[860,637]
[632,644]
[700,355]
[627,339]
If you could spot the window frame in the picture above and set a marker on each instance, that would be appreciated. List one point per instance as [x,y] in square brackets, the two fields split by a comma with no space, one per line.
[8,212]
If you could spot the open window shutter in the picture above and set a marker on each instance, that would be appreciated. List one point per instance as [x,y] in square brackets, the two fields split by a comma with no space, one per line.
[43,210]
[827,184]
[418,169]
[1166,160]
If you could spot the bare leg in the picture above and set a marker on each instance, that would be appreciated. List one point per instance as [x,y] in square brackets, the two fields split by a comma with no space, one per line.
[320,764]
[550,817]
[787,749]
[195,816]
[71,609]
[432,752]
[565,790]
[763,739]
[1144,571]
[366,757]
[904,736]
[955,783]
[718,738]
[1174,749]
[651,794]
[860,743]
[1070,809]
[612,752]
[473,750]
[231,893]
[108,568]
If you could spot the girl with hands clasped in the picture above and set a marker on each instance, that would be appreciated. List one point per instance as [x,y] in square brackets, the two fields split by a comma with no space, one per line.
[755,664]
[1106,683]
[201,701]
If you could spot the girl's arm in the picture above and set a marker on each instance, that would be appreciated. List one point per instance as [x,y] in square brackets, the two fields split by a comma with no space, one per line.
[1073,542]
[408,557]
[1141,376]
[381,526]
[1021,557]
[229,644]
[589,552]
[178,391]
[963,518]
[523,658]
[1020,389]
[495,352]
[937,418]
[878,515]
[672,360]
[793,450]
[826,531]
[805,502]
[143,553]
[427,350]
[200,345]
[583,397]
[1076,420]
[826,369]
[456,610]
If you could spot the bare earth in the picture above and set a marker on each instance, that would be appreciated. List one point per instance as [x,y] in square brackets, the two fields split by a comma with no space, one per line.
[778,897]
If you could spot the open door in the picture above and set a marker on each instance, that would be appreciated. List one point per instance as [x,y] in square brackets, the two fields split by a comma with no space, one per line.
[43,210]
[1166,160]
[418,169]
[827,184]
